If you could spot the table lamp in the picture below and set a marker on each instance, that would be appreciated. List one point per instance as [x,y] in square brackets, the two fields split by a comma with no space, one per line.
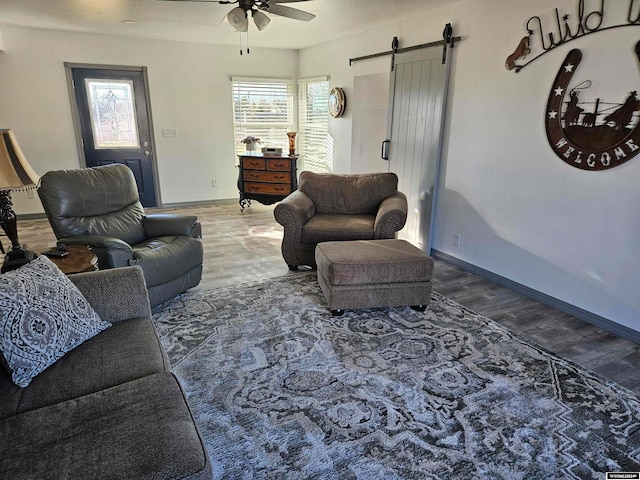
[15,174]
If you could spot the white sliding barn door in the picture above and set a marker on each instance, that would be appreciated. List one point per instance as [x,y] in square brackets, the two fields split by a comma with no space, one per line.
[415,121]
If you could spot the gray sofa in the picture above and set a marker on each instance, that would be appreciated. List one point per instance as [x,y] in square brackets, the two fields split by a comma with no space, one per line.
[331,207]
[99,207]
[108,409]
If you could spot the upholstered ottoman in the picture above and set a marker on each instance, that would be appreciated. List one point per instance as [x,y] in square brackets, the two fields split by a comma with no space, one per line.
[373,273]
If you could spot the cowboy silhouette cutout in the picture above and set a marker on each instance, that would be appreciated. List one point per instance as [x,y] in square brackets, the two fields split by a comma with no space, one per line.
[573,111]
[623,115]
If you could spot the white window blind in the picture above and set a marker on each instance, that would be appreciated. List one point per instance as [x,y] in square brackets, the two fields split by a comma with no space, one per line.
[314,146]
[263,108]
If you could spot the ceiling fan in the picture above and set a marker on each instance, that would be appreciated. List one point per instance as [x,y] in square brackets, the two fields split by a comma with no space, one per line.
[238,17]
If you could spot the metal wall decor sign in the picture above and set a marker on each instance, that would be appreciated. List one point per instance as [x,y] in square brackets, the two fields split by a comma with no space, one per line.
[567,28]
[587,133]
[602,136]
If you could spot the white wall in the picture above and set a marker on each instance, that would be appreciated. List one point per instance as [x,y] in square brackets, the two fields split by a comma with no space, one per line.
[522,213]
[190,91]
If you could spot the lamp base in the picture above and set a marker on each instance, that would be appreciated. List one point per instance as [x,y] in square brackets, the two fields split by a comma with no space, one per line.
[17,258]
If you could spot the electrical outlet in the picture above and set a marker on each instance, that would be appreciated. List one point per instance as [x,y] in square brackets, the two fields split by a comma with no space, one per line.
[169,133]
[214,182]
[457,240]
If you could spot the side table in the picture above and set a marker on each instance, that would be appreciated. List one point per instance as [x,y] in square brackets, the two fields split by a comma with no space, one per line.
[80,259]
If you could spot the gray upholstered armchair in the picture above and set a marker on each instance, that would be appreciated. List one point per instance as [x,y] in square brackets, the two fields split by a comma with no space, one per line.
[330,207]
[99,207]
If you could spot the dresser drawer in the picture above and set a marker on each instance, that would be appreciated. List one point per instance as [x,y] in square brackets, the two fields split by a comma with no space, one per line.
[257,163]
[271,188]
[273,177]
[283,165]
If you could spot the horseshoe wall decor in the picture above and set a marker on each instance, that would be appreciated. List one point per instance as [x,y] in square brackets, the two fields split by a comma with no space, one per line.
[590,140]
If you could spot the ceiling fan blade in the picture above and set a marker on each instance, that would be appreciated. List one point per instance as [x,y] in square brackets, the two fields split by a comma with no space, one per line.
[288,12]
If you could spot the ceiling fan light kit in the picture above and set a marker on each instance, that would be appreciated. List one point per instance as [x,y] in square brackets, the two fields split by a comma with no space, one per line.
[238,20]
[261,20]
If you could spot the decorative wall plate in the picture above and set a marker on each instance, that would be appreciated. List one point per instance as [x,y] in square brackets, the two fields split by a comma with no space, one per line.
[337,102]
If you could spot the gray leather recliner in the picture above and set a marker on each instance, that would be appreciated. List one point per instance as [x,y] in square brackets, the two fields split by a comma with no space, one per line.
[99,207]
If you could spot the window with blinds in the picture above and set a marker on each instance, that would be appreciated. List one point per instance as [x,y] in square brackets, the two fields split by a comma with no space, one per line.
[313,126]
[263,109]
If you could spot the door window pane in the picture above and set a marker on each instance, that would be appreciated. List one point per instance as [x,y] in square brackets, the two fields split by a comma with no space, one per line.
[112,108]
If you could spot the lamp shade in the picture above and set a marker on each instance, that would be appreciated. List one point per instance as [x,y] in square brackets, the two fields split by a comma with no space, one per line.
[238,19]
[261,20]
[15,171]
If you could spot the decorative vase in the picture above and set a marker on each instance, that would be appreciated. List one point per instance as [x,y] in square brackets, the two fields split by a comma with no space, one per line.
[292,142]
[251,146]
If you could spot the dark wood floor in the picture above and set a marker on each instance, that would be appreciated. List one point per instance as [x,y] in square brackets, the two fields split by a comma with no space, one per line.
[243,247]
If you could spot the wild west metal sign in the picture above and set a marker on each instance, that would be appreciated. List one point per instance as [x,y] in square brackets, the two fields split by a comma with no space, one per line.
[589,134]
[566,29]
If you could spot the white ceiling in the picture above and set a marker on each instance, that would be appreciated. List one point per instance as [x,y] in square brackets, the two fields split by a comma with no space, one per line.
[202,21]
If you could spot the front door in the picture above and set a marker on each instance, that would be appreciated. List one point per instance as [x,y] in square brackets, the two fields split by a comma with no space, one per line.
[416,112]
[114,123]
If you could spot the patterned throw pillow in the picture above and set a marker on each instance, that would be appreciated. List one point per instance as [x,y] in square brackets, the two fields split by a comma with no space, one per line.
[42,316]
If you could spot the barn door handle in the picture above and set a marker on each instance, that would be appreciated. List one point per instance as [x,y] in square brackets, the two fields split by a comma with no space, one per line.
[385,150]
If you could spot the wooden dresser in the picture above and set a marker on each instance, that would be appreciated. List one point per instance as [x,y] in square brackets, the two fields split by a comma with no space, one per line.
[266,178]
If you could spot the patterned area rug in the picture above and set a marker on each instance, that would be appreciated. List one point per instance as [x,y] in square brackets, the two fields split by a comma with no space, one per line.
[283,390]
